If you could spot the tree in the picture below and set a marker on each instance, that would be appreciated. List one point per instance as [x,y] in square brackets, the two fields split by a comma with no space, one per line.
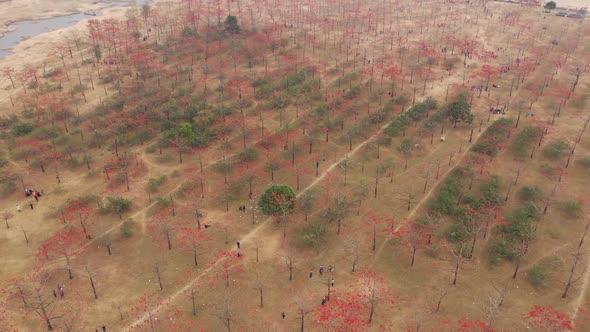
[550,5]
[277,200]
[231,25]
[547,319]
[65,243]
[118,205]
[459,110]
[412,235]
[192,239]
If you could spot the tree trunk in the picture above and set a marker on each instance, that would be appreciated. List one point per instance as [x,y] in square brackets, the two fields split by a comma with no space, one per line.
[261,297]
[302,322]
[413,255]
[516,268]
[93,287]
[456,272]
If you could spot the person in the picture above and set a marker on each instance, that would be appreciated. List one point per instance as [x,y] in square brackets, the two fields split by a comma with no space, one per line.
[54,293]
[36,197]
[310,273]
[238,244]
[18,208]
[332,282]
[323,301]
[321,270]
[283,315]
[61,291]
[104,328]
[31,205]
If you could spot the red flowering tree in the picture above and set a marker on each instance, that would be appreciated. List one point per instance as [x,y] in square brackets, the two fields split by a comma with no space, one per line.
[547,319]
[65,244]
[413,235]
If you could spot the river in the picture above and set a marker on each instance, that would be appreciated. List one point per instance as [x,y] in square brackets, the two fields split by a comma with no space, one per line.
[22,30]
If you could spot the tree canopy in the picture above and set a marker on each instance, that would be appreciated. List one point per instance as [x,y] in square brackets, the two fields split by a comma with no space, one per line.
[231,25]
[550,5]
[277,200]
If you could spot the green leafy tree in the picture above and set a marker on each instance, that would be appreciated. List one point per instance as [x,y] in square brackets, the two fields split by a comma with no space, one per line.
[277,200]
[231,25]
[459,110]
[550,5]
[118,205]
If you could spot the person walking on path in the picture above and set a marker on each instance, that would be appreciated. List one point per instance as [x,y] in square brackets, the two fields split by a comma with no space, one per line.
[310,274]
[31,205]
[238,244]
[18,208]
[283,315]
[321,270]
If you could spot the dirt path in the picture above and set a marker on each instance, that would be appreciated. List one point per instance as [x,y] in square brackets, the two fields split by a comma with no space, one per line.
[171,298]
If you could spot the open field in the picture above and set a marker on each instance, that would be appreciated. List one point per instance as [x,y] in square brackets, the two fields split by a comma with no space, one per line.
[148,132]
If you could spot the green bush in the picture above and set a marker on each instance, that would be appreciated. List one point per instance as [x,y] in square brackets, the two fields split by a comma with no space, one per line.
[22,129]
[127,228]
[3,162]
[448,195]
[490,192]
[312,234]
[354,92]
[525,138]
[268,201]
[493,137]
[456,233]
[118,205]
[537,276]
[502,248]
[155,183]
[556,149]
[249,154]
[571,208]
[527,193]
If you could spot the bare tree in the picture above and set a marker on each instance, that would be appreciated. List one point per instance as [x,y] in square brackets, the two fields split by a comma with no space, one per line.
[224,310]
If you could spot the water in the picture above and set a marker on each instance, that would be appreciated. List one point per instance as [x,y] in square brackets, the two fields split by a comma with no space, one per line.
[22,30]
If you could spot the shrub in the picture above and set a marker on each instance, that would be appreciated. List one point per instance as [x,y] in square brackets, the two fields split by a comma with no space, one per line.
[571,208]
[527,193]
[268,201]
[118,205]
[3,162]
[502,248]
[555,149]
[312,234]
[490,141]
[490,192]
[456,233]
[524,139]
[127,228]
[537,276]
[22,129]
[354,92]
[249,154]
[155,183]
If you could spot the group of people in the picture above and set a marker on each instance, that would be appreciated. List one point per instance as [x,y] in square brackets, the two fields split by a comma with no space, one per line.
[36,194]
[242,208]
[321,270]
[28,193]
[60,291]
